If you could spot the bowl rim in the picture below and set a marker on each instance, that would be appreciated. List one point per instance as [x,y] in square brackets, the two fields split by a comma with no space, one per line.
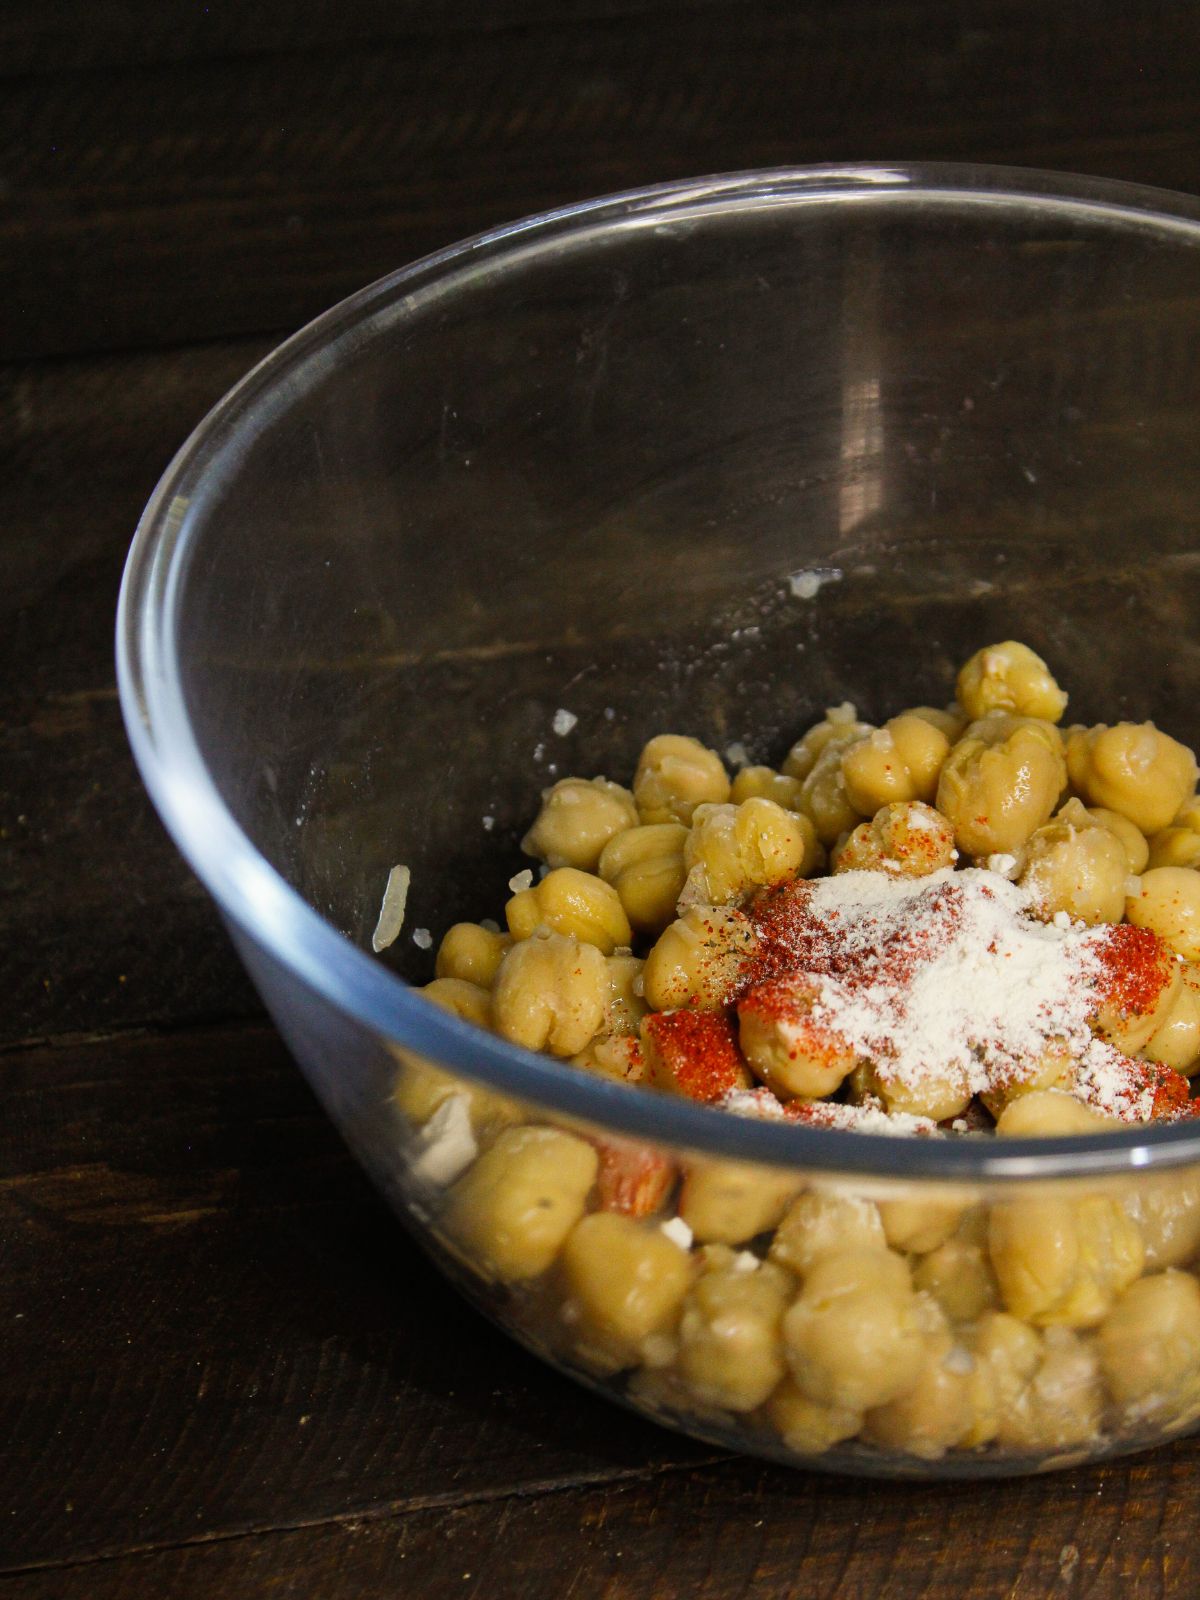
[254,897]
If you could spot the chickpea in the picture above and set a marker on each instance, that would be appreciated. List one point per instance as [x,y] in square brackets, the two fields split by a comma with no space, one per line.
[823,796]
[937,1411]
[908,839]
[1149,1343]
[958,1274]
[693,1053]
[1061,1261]
[730,1341]
[1133,769]
[1167,901]
[625,1281]
[1009,677]
[1174,847]
[1074,865]
[1000,782]
[471,954]
[820,1224]
[786,1044]
[764,783]
[900,761]
[574,903]
[634,1178]
[734,849]
[421,1088]
[613,1055]
[919,1226]
[578,818]
[675,774]
[839,728]
[699,959]
[645,866]
[512,1211]
[853,1338]
[624,1006]
[1130,835]
[1053,1069]
[550,994]
[1128,1015]
[1046,1111]
[1176,1037]
[807,1427]
[939,1094]
[949,720]
[728,1202]
[1007,1354]
[1166,1211]
[1062,1404]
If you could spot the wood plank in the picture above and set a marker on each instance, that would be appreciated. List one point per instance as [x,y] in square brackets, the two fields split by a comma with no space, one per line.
[156,205]
[211,1324]
[1122,1532]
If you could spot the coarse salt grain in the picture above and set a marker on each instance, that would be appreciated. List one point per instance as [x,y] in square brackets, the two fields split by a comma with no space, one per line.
[563,722]
[809,582]
[678,1232]
[391,911]
[737,755]
[521,880]
[422,938]
[745,1261]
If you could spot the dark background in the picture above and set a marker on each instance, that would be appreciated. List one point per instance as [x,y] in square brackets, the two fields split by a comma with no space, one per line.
[223,1368]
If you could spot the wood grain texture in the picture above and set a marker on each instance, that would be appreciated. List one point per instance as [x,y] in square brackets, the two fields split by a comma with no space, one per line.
[733,1530]
[199,199]
[212,1325]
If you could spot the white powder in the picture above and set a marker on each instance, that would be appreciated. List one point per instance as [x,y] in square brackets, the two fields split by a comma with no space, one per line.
[563,722]
[986,985]
[870,1118]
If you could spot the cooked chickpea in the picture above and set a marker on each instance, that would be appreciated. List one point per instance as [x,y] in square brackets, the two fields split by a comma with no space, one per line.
[807,1427]
[634,1179]
[1061,1261]
[645,866]
[675,774]
[900,761]
[949,720]
[421,1087]
[578,818]
[730,1339]
[728,1202]
[840,727]
[853,1338]
[1131,836]
[578,904]
[1176,1037]
[550,994]
[1075,865]
[1167,901]
[787,1044]
[1166,1211]
[693,1053]
[734,849]
[624,1006]
[1132,769]
[958,1274]
[937,1094]
[1007,1353]
[625,1280]
[1054,1068]
[908,839]
[764,783]
[1174,847]
[823,796]
[1000,782]
[1062,1404]
[937,1411]
[1149,1344]
[613,1055]
[471,953]
[1009,677]
[822,1223]
[1128,1015]
[699,959]
[512,1211]
[1048,1112]
[919,1226]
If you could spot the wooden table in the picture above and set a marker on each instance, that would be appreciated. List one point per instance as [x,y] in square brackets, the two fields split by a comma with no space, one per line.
[223,1367]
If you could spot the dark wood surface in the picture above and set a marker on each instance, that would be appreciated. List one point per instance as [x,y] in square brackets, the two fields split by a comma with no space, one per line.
[223,1368]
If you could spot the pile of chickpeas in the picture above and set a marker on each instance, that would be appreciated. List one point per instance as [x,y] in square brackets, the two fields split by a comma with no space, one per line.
[1044,1322]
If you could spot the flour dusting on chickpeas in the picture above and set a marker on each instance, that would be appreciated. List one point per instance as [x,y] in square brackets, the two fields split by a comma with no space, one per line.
[967,921]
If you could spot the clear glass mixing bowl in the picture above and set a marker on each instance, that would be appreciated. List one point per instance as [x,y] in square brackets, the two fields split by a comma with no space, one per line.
[572,464]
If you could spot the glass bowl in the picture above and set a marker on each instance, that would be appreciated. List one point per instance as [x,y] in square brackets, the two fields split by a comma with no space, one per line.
[576,464]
